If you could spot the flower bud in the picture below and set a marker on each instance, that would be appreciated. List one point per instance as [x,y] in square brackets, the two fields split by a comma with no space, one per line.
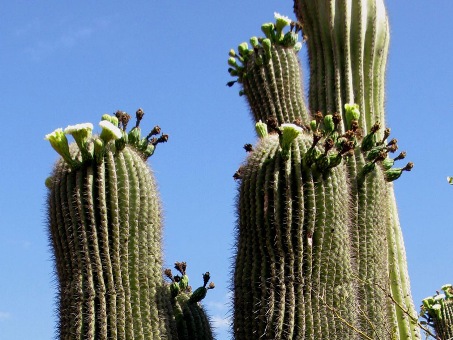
[352,113]
[232,62]
[261,129]
[329,125]
[243,49]
[268,30]
[254,42]
[267,45]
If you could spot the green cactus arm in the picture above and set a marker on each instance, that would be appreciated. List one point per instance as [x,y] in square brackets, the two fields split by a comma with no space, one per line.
[347,47]
[270,75]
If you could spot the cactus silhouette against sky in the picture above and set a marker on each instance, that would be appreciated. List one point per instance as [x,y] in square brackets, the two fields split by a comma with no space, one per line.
[105,227]
[320,253]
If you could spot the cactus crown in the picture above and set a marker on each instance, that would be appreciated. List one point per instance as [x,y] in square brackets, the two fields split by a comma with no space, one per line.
[112,136]
[437,312]
[269,72]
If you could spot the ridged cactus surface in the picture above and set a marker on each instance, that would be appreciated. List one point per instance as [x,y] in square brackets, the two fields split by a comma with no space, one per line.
[347,45]
[319,252]
[105,227]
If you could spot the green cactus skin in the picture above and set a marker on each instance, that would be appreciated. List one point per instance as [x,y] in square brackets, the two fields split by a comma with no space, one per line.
[311,258]
[292,235]
[347,47]
[105,227]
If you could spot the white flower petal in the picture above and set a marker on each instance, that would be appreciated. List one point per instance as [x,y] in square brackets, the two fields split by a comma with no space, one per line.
[74,128]
[110,127]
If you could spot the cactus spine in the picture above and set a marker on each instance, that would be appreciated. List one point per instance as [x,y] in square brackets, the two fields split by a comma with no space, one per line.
[105,226]
[316,214]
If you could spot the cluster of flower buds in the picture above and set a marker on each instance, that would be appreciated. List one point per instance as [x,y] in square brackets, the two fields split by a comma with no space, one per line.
[433,306]
[180,283]
[325,130]
[113,134]
[261,48]
[377,151]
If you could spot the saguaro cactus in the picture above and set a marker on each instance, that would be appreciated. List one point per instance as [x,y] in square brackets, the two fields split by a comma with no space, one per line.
[319,252]
[105,226]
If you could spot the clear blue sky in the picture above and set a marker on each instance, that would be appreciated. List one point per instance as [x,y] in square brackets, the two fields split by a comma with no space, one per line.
[66,62]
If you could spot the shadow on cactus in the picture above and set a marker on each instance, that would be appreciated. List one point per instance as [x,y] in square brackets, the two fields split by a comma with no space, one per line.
[105,228]
[319,252]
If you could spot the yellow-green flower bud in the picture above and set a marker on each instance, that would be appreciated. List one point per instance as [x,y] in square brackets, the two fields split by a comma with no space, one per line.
[352,113]
[111,119]
[232,53]
[254,42]
[329,125]
[232,62]
[267,45]
[314,125]
[243,49]
[261,129]
[268,30]
[450,180]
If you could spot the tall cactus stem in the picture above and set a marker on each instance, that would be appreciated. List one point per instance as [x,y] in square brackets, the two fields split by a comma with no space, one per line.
[105,230]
